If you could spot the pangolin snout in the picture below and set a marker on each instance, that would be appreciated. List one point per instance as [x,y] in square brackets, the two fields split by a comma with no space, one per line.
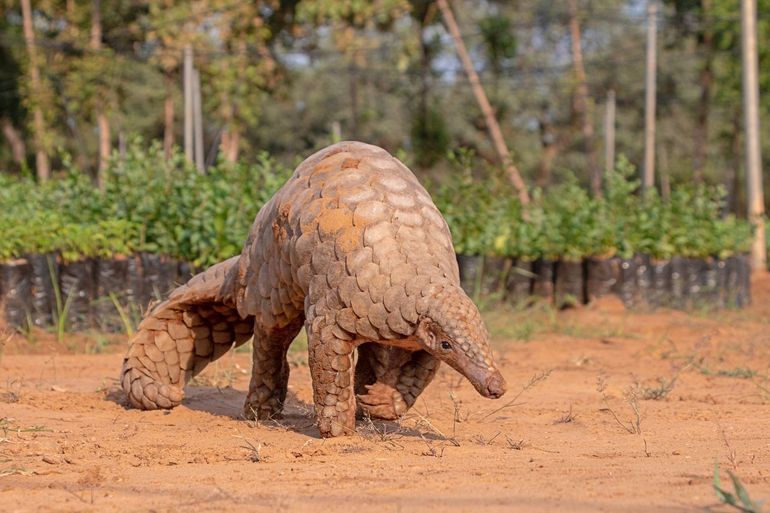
[495,387]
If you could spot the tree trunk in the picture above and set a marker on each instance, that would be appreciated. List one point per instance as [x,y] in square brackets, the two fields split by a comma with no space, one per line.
[18,148]
[230,145]
[733,178]
[104,145]
[353,84]
[650,96]
[168,117]
[42,164]
[489,116]
[582,102]
[550,150]
[552,142]
[101,118]
[424,72]
[231,138]
[704,102]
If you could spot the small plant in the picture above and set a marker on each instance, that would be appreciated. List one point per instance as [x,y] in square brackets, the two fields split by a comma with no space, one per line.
[125,319]
[514,444]
[740,498]
[737,372]
[657,392]
[255,450]
[634,426]
[567,418]
[62,309]
[12,392]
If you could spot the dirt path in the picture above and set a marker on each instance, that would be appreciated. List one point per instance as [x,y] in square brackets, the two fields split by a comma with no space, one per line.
[568,440]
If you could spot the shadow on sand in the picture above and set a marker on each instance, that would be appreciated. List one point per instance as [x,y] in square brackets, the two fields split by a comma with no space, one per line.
[297,416]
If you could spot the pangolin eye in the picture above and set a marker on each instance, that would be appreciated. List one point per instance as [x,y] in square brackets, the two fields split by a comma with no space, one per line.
[446,346]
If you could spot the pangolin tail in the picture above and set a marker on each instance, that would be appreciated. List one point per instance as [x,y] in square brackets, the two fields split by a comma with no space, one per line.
[175,341]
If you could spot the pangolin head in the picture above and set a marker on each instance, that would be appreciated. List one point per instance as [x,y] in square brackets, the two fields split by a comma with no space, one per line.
[452,330]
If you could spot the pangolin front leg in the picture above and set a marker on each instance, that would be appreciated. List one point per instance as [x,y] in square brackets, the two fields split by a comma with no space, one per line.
[389,379]
[331,368]
[270,371]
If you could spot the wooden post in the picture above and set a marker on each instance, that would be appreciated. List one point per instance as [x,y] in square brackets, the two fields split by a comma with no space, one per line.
[609,132]
[489,115]
[648,178]
[754,193]
[42,165]
[188,103]
[103,124]
[198,121]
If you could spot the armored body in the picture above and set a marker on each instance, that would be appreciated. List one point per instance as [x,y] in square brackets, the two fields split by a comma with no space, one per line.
[353,249]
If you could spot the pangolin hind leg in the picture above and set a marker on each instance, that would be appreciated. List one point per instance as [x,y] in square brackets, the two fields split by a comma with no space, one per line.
[331,368]
[270,370]
[389,379]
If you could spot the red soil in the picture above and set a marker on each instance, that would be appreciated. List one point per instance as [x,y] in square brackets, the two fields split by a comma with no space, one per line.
[570,441]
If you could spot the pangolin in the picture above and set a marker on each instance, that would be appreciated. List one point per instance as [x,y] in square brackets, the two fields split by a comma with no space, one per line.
[352,248]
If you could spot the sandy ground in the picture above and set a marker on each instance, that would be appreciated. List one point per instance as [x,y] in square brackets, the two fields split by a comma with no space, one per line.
[606,411]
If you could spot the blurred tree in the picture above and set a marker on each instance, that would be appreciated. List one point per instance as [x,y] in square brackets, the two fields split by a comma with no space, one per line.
[583,103]
[12,113]
[430,138]
[37,95]
[281,74]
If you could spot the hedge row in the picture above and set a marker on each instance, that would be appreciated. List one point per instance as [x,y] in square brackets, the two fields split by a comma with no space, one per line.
[566,223]
[153,205]
[147,204]
[167,212]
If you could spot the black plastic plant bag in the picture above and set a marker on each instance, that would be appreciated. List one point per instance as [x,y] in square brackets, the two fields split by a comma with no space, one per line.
[568,287]
[543,284]
[741,280]
[602,275]
[644,280]
[679,280]
[116,282]
[159,277]
[170,268]
[518,283]
[152,276]
[78,289]
[720,274]
[185,271]
[696,270]
[15,293]
[495,272]
[626,287]
[471,269]
[43,274]
[710,283]
[659,294]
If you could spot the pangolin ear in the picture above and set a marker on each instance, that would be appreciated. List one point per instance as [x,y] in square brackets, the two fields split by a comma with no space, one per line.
[426,334]
[432,340]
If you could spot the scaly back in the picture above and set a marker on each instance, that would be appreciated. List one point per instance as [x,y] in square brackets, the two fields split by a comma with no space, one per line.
[353,231]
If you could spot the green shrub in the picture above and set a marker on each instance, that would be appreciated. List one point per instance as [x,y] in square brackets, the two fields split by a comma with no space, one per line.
[147,203]
[566,223]
[164,206]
